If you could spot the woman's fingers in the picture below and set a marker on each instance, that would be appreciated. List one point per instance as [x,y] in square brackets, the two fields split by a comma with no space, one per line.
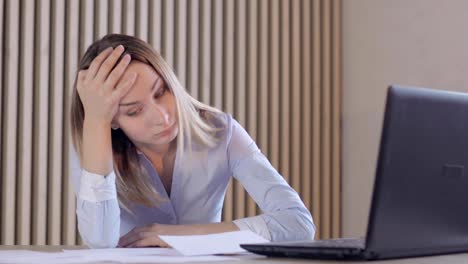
[109,63]
[117,72]
[124,87]
[150,241]
[99,100]
[134,237]
[142,237]
[96,63]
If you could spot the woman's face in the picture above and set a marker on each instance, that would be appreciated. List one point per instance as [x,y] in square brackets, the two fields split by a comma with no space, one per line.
[147,113]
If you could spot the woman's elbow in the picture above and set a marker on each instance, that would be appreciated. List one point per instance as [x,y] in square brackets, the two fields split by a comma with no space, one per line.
[294,224]
[307,226]
[99,225]
[93,238]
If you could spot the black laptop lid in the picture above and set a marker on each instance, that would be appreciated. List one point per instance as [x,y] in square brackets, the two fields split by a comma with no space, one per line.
[420,198]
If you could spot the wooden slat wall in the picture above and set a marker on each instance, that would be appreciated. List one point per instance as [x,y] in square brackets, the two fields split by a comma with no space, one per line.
[274,64]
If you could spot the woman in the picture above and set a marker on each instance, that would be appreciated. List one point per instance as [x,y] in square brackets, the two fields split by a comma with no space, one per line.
[155,161]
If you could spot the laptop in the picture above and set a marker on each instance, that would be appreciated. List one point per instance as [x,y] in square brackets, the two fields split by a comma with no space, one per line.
[419,202]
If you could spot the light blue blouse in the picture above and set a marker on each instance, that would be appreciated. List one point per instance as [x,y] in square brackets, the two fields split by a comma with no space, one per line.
[197,194]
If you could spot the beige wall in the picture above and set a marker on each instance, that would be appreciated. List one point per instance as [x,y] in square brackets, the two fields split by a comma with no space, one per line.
[414,42]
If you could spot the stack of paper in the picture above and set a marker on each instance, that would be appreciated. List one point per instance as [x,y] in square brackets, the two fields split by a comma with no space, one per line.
[185,249]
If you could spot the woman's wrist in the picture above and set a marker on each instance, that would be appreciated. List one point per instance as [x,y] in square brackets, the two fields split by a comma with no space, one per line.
[95,123]
[97,146]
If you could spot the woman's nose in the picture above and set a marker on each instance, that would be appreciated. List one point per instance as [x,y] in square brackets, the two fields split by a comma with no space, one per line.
[159,115]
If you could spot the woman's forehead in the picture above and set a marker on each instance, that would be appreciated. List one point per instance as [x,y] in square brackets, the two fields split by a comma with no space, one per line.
[146,79]
[142,69]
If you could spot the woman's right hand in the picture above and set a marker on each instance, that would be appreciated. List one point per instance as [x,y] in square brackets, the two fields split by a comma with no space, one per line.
[100,88]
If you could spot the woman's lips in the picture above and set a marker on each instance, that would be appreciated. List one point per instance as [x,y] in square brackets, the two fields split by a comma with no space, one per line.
[165,131]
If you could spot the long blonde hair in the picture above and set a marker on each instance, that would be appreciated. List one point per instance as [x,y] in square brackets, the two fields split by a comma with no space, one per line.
[133,182]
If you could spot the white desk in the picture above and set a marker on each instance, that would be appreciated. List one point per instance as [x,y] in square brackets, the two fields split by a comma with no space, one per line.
[445,259]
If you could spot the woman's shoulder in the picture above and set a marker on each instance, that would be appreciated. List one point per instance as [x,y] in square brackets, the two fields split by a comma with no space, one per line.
[222,123]
[215,119]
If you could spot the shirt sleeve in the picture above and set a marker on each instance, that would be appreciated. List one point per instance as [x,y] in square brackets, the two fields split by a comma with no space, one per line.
[97,188]
[97,207]
[285,217]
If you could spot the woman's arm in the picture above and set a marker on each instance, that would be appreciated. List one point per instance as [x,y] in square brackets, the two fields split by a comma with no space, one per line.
[91,202]
[285,216]
[97,207]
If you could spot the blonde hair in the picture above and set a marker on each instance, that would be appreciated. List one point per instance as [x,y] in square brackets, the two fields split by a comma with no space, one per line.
[133,182]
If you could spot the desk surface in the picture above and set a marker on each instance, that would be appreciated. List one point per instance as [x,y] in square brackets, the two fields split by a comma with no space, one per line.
[452,259]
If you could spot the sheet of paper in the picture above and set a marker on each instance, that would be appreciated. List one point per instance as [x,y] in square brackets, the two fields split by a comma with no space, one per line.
[125,251]
[115,255]
[168,259]
[222,243]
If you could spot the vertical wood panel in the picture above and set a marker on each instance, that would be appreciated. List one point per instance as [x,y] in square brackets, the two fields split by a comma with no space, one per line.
[285,69]
[155,22]
[192,46]
[205,51]
[306,159]
[141,27]
[71,61]
[115,16]
[128,15]
[217,55]
[336,117]
[41,111]
[325,122]
[181,41]
[25,129]
[86,19]
[240,61]
[2,91]
[273,79]
[295,114]
[251,86]
[10,116]
[100,13]
[228,65]
[316,108]
[54,223]
[167,49]
[262,110]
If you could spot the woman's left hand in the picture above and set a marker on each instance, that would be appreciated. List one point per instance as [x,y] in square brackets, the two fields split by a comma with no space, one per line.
[147,236]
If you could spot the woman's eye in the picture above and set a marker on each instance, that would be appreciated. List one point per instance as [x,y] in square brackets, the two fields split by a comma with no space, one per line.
[160,93]
[134,113]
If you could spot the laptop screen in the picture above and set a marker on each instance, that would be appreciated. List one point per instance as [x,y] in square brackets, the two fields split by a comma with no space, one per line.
[421,188]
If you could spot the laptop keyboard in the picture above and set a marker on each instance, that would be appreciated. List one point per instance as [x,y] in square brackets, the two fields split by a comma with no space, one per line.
[331,243]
